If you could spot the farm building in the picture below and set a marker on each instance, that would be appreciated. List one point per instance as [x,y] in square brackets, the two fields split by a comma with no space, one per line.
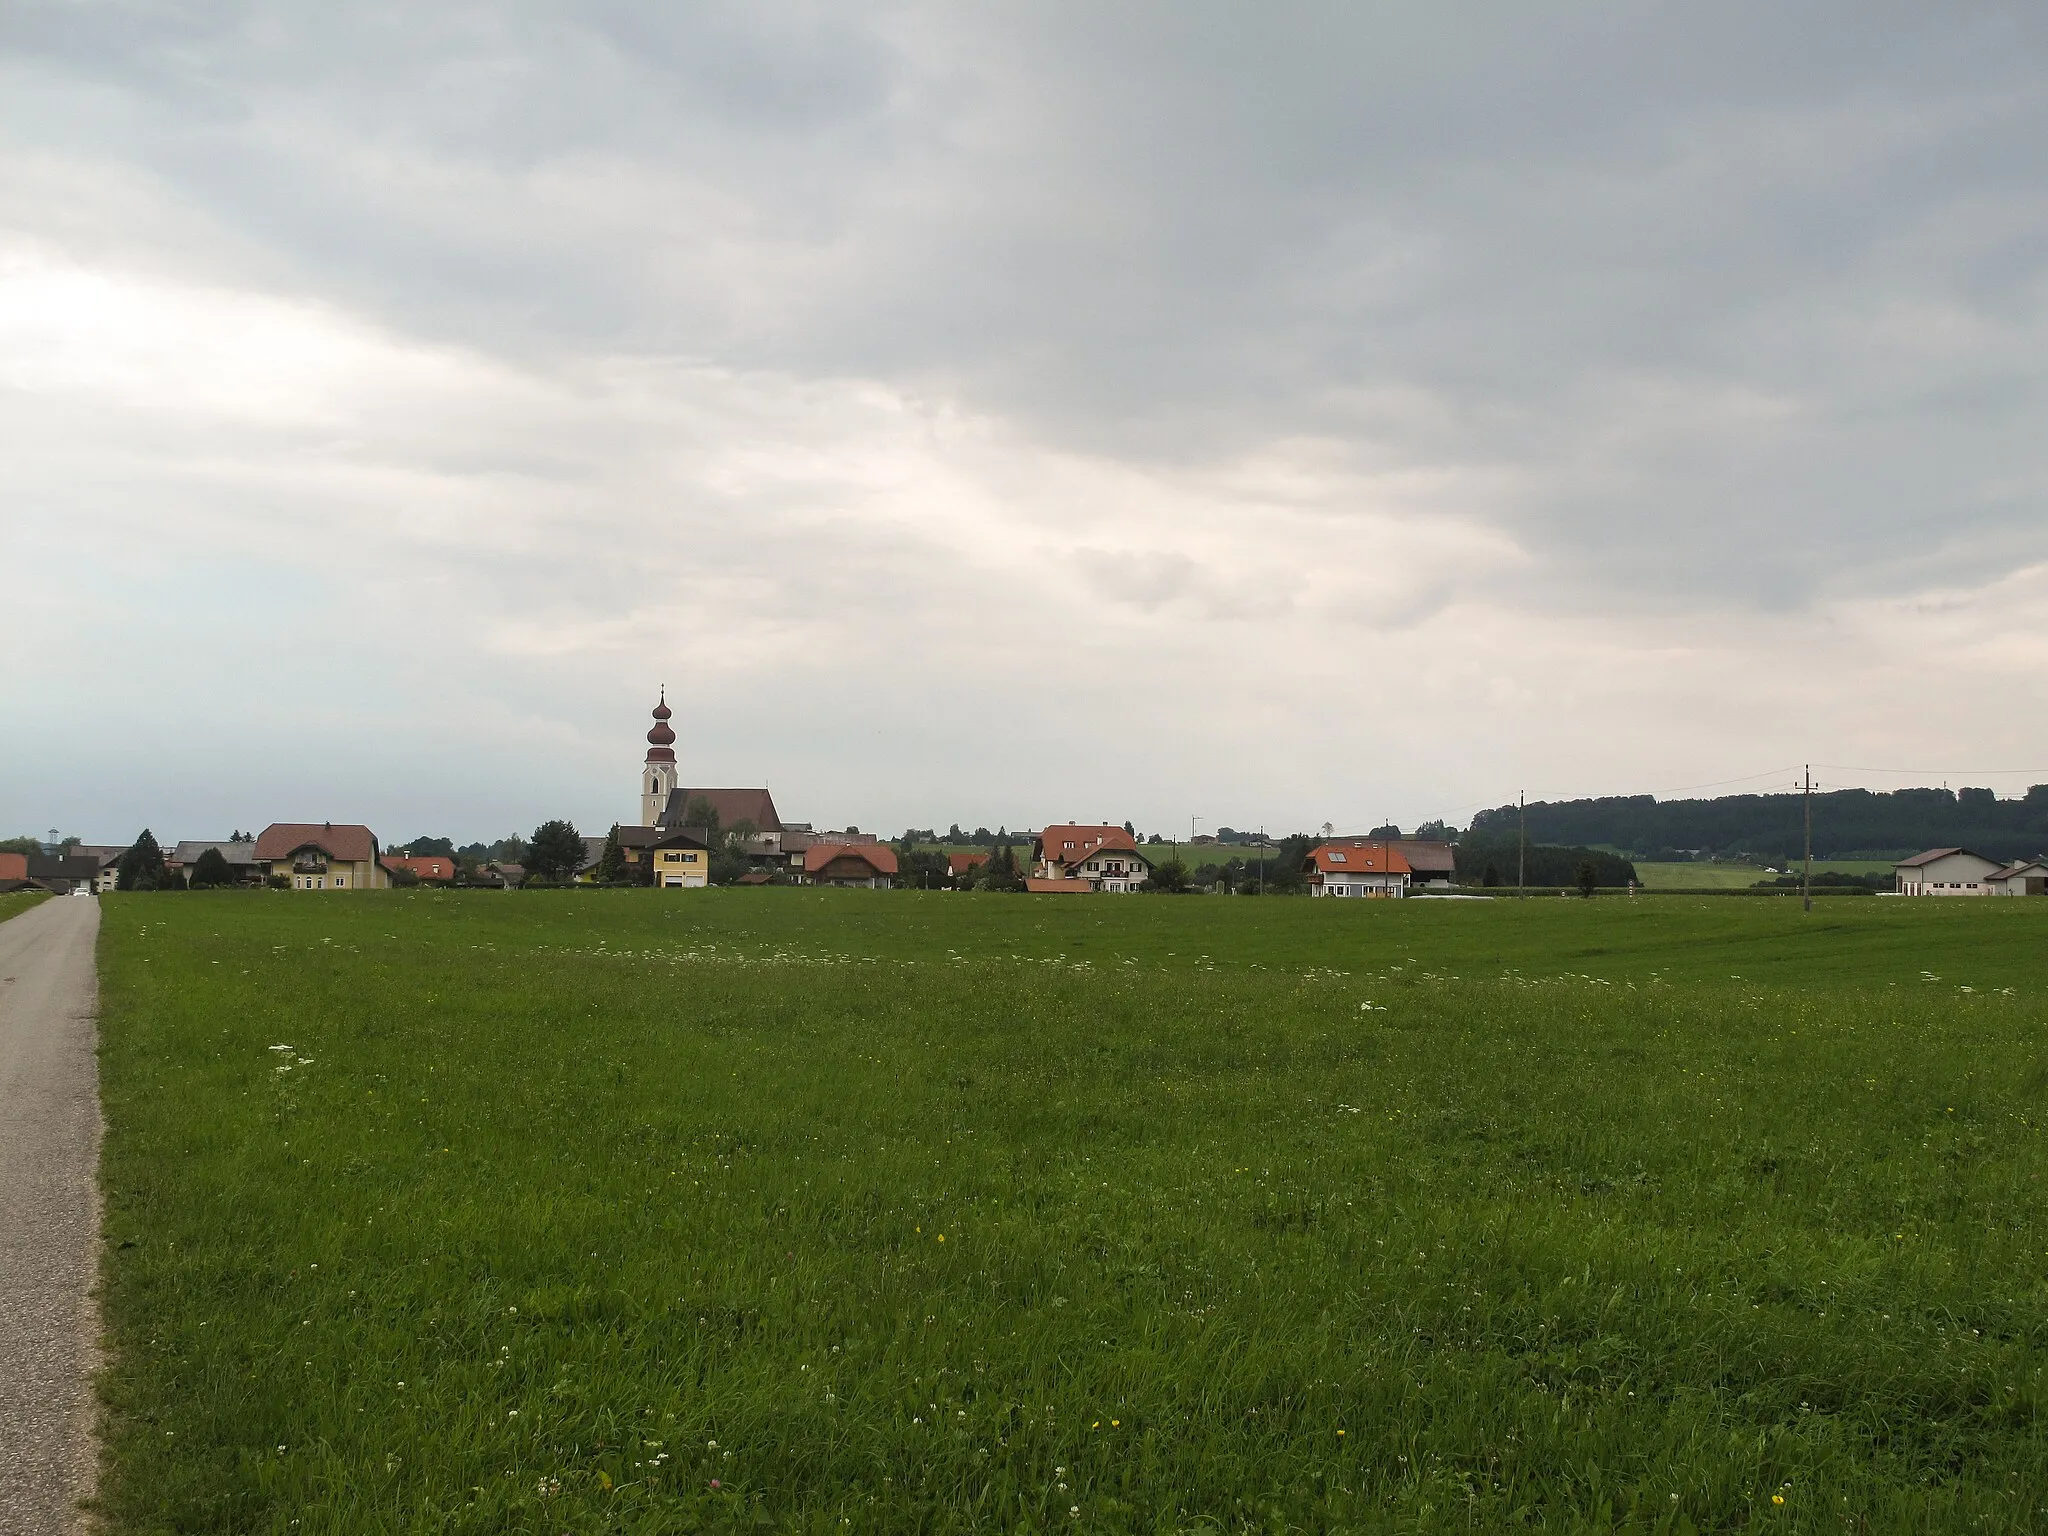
[1357,866]
[1945,872]
[240,857]
[1106,857]
[871,865]
[2028,879]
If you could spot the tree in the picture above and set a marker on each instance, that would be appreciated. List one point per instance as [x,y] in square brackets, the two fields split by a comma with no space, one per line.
[1001,873]
[555,851]
[430,847]
[1589,878]
[921,869]
[142,866]
[1169,878]
[211,870]
[29,845]
[1437,832]
[611,864]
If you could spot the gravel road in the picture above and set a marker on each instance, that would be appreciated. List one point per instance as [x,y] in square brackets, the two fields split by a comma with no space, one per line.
[49,1214]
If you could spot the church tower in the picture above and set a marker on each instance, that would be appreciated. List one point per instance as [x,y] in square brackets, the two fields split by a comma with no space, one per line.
[658,776]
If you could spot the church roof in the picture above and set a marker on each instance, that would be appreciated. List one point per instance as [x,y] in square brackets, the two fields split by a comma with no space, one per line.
[732,805]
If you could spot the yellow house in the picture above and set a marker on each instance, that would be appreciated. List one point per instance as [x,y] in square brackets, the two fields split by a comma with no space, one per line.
[322,856]
[681,861]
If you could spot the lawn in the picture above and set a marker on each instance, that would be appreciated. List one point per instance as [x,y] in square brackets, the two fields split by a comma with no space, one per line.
[836,1211]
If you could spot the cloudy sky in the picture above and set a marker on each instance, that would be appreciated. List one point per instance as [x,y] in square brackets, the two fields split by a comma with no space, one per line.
[1267,415]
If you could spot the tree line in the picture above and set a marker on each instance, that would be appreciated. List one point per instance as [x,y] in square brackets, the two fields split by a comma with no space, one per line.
[1847,823]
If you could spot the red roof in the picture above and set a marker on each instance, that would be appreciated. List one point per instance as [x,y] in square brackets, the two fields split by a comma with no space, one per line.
[880,856]
[1358,855]
[426,866]
[345,841]
[960,863]
[1070,845]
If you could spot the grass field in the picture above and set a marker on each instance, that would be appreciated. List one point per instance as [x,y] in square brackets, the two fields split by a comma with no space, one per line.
[14,903]
[791,1210]
[1700,877]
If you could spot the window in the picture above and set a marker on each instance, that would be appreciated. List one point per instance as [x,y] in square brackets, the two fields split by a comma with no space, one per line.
[1336,858]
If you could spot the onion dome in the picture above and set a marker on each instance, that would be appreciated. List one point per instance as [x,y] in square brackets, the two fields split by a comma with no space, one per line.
[661,738]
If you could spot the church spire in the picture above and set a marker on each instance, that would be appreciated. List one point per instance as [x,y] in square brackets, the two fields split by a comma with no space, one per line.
[658,773]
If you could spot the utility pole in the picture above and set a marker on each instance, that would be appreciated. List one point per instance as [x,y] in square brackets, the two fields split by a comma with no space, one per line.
[1522,848]
[1262,861]
[1806,875]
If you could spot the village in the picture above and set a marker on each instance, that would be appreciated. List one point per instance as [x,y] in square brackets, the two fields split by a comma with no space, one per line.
[694,837]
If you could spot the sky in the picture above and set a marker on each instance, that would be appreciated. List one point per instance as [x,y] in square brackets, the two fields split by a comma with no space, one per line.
[1187,413]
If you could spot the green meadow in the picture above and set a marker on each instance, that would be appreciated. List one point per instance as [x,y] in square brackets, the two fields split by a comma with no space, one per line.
[14,903]
[1697,877]
[845,1211]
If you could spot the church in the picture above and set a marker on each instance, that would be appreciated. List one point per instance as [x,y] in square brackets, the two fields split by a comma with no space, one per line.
[677,822]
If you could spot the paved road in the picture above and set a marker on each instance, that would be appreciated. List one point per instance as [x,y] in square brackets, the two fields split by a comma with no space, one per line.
[49,1214]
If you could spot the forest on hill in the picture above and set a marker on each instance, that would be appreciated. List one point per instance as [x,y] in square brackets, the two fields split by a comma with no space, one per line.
[1847,823]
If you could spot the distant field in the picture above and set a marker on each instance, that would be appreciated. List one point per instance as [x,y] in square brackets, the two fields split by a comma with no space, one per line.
[1728,876]
[849,1211]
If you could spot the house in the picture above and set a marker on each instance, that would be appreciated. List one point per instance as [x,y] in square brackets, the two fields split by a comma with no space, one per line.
[13,866]
[241,859]
[869,865]
[962,864]
[1945,872]
[64,873]
[108,857]
[321,856]
[1106,857]
[1357,866]
[2028,879]
[426,867]
[681,860]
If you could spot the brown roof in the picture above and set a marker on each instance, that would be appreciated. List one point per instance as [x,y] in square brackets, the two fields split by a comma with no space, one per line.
[1072,844]
[1057,887]
[1358,855]
[343,840]
[1936,853]
[638,837]
[879,856]
[428,866]
[960,863]
[733,806]
[1427,857]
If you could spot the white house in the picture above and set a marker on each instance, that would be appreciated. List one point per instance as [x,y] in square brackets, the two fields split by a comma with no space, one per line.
[1357,866]
[1945,872]
[1104,856]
